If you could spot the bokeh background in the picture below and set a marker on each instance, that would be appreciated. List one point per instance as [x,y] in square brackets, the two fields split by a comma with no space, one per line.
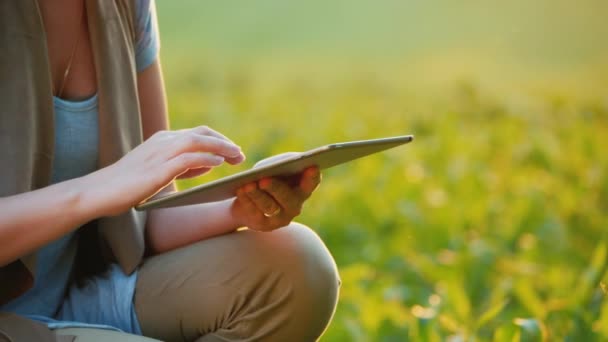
[493,224]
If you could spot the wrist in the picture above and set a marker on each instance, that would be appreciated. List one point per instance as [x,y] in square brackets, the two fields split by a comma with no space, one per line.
[95,197]
[232,216]
[171,228]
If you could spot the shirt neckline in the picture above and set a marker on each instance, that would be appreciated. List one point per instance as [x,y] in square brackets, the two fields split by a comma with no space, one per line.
[79,105]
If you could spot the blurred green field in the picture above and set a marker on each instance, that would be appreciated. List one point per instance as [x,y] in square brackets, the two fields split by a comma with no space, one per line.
[493,224]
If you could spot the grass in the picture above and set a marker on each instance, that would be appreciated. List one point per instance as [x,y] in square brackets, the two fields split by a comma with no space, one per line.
[492,225]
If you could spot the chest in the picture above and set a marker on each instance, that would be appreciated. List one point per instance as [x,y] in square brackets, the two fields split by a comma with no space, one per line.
[76,138]
[69,49]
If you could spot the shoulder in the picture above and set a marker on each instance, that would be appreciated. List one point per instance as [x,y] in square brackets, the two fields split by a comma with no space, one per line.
[142,9]
[144,13]
[146,33]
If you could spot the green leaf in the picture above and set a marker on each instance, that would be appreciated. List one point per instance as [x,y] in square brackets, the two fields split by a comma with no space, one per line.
[530,330]
[590,279]
[504,333]
[491,313]
[427,330]
[601,324]
[459,300]
[530,299]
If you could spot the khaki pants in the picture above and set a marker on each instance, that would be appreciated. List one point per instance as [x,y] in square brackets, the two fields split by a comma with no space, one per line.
[244,286]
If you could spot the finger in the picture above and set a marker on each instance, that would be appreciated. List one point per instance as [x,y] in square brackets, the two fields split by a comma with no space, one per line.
[236,160]
[191,142]
[192,160]
[248,204]
[206,130]
[283,194]
[262,200]
[194,173]
[311,178]
[257,220]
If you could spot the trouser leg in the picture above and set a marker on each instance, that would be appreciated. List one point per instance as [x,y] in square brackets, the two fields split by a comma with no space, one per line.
[244,286]
[14,328]
[100,335]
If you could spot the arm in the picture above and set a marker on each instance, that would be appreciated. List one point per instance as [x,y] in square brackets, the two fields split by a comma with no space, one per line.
[29,221]
[175,227]
[171,228]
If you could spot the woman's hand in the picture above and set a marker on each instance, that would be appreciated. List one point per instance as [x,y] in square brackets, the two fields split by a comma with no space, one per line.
[152,165]
[272,203]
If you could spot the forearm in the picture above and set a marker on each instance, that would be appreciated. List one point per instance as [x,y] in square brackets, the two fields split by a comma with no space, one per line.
[172,228]
[30,220]
[175,227]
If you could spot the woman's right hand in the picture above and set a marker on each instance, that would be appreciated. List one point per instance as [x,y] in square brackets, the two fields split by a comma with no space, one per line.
[156,162]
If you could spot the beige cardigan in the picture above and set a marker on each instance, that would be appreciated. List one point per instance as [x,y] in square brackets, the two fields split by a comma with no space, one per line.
[27,118]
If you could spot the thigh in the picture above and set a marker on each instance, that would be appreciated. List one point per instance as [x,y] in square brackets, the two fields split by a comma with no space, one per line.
[242,286]
[100,335]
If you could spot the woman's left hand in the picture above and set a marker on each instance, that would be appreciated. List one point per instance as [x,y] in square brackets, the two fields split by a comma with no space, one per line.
[272,203]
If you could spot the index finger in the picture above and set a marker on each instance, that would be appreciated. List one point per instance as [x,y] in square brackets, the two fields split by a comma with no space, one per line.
[206,130]
[190,142]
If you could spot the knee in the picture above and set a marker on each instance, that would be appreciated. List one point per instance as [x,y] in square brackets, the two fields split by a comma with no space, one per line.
[312,275]
[276,286]
[309,258]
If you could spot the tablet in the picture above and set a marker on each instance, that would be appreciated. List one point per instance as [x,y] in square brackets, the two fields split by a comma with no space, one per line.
[323,157]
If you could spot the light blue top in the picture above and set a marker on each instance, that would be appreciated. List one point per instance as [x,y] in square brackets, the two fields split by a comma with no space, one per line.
[106,300]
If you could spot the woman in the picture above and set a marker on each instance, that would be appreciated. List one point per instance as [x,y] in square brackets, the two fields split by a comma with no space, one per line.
[80,89]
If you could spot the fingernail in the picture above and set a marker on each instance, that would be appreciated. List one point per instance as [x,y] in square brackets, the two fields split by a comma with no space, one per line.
[236,151]
[217,160]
